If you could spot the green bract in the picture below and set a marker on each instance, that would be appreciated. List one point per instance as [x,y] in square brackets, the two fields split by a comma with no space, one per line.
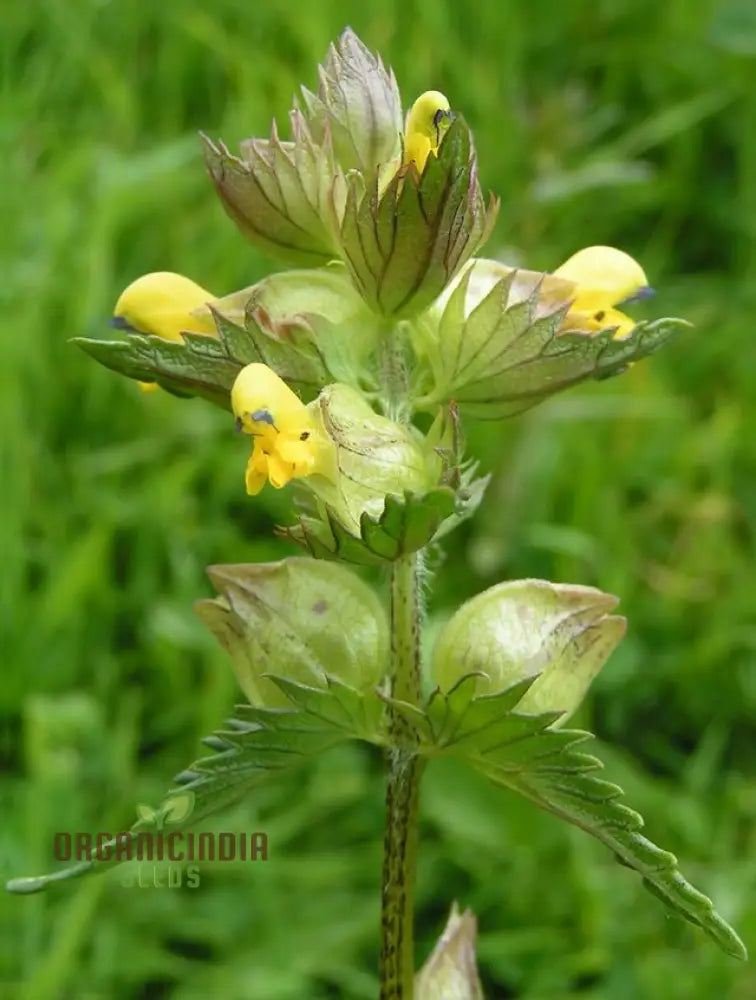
[278,192]
[403,244]
[357,107]
[495,343]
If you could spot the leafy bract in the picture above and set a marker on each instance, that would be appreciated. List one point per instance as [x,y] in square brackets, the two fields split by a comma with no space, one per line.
[309,326]
[256,744]
[406,523]
[357,108]
[525,754]
[511,351]
[403,242]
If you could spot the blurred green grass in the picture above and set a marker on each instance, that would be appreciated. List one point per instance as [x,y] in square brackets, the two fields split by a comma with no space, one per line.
[626,122]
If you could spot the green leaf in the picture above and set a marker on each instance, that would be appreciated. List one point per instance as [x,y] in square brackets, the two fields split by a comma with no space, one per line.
[525,754]
[298,617]
[265,323]
[500,347]
[200,365]
[560,780]
[407,523]
[255,745]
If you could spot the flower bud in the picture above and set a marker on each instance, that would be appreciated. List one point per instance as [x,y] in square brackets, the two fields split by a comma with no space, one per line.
[166,305]
[451,971]
[300,619]
[557,633]
[357,106]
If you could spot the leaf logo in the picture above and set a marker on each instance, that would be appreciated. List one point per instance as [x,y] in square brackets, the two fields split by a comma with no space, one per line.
[179,807]
[175,809]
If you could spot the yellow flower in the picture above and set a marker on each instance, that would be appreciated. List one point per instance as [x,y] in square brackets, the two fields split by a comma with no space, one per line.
[288,443]
[603,277]
[428,119]
[164,304]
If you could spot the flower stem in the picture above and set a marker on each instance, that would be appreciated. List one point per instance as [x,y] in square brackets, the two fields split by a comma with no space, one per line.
[394,375]
[402,789]
[404,766]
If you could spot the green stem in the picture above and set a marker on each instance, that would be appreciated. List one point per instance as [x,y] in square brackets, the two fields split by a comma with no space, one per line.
[402,789]
[403,763]
[394,375]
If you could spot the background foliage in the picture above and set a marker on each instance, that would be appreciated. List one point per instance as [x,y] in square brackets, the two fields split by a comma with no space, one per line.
[629,122]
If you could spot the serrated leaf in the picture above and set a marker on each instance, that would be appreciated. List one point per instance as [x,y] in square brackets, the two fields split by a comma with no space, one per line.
[501,347]
[199,365]
[557,779]
[255,745]
[358,714]
[406,524]
[522,752]
[207,366]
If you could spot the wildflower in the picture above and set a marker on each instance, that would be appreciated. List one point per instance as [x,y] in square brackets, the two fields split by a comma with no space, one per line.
[288,443]
[603,277]
[427,121]
[166,305]
[500,339]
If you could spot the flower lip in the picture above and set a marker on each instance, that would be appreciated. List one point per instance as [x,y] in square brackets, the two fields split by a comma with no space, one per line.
[286,442]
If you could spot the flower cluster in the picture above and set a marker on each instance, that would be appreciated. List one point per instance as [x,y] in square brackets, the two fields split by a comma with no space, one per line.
[385,212]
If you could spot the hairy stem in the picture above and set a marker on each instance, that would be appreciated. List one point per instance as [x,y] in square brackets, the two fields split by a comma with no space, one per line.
[403,763]
[402,791]
[399,861]
[394,375]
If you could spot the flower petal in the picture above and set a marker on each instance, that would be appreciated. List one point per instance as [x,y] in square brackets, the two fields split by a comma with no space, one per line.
[165,304]
[603,277]
[280,472]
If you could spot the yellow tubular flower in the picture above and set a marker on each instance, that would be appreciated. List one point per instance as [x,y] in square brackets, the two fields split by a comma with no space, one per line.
[164,304]
[287,442]
[603,277]
[427,121]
